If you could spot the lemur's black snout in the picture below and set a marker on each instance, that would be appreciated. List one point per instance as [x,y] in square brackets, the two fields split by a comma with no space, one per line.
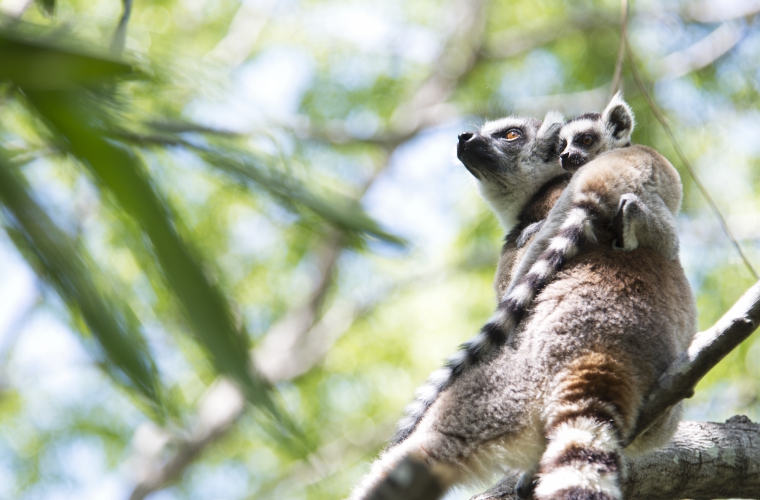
[465,136]
[572,161]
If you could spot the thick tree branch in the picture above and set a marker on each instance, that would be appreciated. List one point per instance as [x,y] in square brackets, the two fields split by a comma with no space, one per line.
[717,11]
[704,52]
[703,461]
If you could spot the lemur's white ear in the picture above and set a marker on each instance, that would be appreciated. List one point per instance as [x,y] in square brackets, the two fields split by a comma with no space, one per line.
[550,123]
[618,118]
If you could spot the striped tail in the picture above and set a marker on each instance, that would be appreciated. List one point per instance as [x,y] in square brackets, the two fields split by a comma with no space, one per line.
[469,353]
[576,230]
[589,413]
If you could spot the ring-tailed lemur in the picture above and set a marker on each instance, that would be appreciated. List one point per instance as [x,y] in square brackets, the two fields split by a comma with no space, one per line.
[597,337]
[512,158]
[582,139]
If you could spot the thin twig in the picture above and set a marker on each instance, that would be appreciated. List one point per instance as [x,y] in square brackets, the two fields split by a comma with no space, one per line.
[120,35]
[617,75]
[684,160]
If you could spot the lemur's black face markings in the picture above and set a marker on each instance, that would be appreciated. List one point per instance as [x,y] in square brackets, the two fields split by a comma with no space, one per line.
[496,149]
[587,136]
[580,150]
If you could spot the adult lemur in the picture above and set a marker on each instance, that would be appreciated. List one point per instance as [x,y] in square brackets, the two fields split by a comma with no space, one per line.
[568,385]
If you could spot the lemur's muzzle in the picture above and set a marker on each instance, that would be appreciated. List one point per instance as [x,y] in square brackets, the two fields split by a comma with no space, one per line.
[572,161]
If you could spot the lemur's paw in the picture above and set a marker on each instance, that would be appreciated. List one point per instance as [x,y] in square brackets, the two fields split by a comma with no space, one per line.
[629,210]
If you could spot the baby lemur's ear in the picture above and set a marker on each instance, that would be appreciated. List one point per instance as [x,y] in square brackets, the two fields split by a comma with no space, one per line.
[618,118]
[547,136]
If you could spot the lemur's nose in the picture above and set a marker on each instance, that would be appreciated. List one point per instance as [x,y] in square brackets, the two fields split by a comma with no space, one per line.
[465,136]
[564,156]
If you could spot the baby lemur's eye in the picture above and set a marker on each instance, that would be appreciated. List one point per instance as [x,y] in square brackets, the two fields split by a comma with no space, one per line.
[587,140]
[562,145]
[512,134]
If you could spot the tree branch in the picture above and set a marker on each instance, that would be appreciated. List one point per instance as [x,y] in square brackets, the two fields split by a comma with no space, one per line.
[243,33]
[618,73]
[717,11]
[704,52]
[119,40]
[702,462]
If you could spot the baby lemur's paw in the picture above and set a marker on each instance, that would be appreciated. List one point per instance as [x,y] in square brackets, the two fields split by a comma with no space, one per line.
[630,209]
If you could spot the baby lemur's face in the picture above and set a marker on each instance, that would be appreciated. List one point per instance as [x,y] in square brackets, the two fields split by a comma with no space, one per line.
[587,136]
[581,140]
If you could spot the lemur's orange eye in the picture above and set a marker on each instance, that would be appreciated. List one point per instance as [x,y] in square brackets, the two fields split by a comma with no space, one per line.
[587,140]
[512,134]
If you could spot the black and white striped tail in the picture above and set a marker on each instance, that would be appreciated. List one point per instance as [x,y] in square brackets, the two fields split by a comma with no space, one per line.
[576,230]
[585,421]
[582,461]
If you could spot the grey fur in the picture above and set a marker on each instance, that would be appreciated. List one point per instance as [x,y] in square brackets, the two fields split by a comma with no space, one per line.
[508,174]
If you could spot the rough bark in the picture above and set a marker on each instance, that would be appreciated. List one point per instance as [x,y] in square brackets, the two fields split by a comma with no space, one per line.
[703,461]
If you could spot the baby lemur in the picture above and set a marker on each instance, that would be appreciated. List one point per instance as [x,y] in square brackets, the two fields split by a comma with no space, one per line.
[564,391]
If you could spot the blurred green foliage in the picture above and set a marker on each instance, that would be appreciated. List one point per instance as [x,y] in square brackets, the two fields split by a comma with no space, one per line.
[265,192]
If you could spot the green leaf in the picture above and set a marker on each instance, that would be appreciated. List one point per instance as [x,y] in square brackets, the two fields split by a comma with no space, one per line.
[69,269]
[33,64]
[342,211]
[119,172]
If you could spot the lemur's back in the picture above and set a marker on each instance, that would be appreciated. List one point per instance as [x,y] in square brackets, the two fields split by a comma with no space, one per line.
[599,334]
